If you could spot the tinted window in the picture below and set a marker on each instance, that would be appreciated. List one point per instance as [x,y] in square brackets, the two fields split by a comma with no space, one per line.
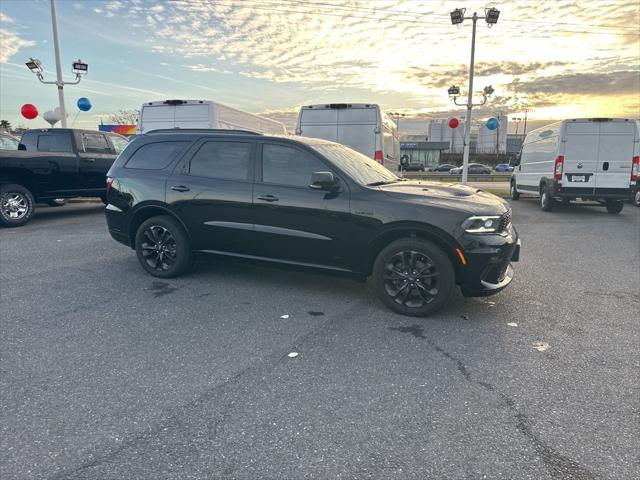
[227,160]
[54,142]
[289,166]
[119,143]
[155,156]
[29,141]
[95,143]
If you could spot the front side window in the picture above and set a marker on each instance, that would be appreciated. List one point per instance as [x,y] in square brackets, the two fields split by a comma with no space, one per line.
[155,156]
[288,166]
[119,143]
[95,143]
[224,160]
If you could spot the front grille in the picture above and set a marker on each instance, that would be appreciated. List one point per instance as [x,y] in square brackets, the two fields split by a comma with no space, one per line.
[505,220]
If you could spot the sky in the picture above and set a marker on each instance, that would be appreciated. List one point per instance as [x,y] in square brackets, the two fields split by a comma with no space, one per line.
[557,59]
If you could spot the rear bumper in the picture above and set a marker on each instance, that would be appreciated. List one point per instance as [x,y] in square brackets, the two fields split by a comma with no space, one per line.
[116,224]
[489,266]
[562,191]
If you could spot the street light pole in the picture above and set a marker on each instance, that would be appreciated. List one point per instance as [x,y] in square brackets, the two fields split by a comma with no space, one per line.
[457,17]
[59,82]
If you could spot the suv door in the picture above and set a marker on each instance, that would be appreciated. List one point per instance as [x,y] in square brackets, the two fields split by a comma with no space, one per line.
[96,156]
[211,190]
[294,222]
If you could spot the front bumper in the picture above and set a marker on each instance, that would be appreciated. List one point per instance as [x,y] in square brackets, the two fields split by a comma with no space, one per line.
[488,269]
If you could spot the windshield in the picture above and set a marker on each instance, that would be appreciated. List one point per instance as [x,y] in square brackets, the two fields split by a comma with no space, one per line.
[359,167]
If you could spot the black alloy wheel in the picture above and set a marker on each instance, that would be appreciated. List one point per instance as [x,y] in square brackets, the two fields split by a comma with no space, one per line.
[413,277]
[163,247]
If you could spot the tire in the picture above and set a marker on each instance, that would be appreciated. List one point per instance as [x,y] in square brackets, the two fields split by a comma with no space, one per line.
[514,192]
[57,202]
[414,295]
[614,206]
[16,205]
[546,200]
[158,233]
[636,199]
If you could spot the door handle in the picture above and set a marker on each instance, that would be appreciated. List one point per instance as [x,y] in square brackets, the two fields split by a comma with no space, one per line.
[268,198]
[90,160]
[180,188]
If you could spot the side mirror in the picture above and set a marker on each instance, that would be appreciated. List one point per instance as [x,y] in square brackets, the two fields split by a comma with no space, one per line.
[324,181]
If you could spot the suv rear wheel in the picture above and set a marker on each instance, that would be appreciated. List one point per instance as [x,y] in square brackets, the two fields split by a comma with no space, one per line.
[413,277]
[163,247]
[16,205]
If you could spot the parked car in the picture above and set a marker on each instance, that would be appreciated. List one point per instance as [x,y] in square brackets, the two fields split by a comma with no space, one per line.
[503,167]
[51,165]
[8,141]
[589,158]
[410,165]
[445,167]
[202,114]
[473,169]
[362,126]
[308,203]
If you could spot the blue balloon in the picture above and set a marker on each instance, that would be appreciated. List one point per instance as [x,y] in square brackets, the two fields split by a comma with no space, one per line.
[84,104]
[492,123]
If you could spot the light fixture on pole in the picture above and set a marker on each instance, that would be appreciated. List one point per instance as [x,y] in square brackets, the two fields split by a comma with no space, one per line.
[397,116]
[457,17]
[78,67]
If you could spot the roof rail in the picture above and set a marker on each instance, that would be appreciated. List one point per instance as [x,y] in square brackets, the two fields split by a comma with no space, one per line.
[202,130]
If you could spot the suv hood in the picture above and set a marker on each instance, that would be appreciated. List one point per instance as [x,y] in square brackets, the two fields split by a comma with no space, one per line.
[449,195]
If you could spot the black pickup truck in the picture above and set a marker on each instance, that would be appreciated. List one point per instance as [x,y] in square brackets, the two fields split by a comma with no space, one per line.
[53,164]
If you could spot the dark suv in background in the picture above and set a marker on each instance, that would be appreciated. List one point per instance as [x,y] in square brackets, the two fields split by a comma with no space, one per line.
[311,203]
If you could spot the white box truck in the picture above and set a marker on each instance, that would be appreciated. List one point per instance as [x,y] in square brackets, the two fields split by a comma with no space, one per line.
[361,126]
[593,159]
[202,114]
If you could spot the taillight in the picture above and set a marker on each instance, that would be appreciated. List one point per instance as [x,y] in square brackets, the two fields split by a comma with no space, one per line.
[109,183]
[378,156]
[557,173]
[634,169]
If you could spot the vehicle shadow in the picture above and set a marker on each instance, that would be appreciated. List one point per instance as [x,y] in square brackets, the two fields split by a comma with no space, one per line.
[44,212]
[576,208]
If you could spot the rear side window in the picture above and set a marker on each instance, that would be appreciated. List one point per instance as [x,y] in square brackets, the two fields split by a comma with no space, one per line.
[155,156]
[119,143]
[288,166]
[54,142]
[95,143]
[225,160]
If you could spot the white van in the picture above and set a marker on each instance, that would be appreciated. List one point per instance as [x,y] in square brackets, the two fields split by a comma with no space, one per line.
[202,114]
[361,126]
[588,158]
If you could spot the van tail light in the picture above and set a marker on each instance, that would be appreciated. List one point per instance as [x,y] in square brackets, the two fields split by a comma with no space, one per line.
[557,172]
[378,156]
[634,169]
[109,183]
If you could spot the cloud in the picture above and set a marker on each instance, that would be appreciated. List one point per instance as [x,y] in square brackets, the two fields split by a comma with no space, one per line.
[5,18]
[626,82]
[11,44]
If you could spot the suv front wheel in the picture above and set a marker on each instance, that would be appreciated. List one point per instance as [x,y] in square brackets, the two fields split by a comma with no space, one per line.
[163,247]
[413,277]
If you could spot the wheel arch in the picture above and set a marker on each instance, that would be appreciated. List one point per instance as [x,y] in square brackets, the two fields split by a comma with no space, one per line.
[145,212]
[435,235]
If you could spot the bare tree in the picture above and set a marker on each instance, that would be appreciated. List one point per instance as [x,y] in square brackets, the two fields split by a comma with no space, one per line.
[124,117]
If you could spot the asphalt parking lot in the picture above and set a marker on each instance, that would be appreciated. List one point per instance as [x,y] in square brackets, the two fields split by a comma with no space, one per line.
[108,373]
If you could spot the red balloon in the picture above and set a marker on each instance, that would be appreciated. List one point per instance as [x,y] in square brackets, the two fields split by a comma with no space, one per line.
[29,111]
[453,123]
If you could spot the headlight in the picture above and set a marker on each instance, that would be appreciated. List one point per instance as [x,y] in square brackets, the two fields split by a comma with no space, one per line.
[481,224]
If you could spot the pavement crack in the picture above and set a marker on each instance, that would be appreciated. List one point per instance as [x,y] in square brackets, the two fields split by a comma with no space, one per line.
[559,466]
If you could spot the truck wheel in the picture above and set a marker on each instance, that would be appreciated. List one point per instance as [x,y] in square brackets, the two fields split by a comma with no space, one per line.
[546,200]
[514,192]
[16,205]
[163,247]
[57,202]
[413,277]
[614,206]
[636,199]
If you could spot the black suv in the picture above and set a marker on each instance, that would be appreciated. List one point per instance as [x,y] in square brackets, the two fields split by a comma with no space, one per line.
[311,203]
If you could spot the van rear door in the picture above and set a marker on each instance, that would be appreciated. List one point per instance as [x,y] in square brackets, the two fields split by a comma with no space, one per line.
[357,129]
[154,117]
[580,156]
[615,154]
